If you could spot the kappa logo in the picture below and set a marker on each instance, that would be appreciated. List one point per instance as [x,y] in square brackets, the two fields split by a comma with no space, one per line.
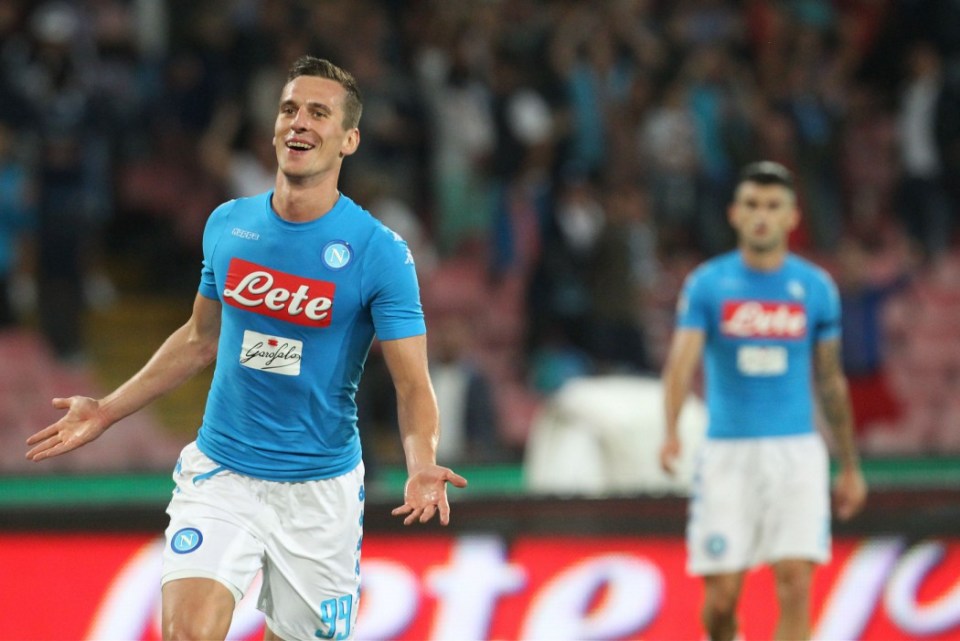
[397,238]
[245,234]
[186,540]
[337,254]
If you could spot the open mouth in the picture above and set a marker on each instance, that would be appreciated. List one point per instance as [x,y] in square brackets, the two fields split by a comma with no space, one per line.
[296,145]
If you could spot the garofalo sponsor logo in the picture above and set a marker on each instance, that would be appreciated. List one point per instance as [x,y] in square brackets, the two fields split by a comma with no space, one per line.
[277,294]
[756,319]
[271,353]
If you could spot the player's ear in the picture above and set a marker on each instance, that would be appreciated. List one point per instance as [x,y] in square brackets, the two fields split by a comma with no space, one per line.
[350,142]
[793,219]
[732,215]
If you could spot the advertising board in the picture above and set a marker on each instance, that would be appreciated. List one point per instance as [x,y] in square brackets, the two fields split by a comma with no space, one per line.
[466,587]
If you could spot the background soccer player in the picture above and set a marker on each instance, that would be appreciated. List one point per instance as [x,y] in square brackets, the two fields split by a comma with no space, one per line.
[766,323]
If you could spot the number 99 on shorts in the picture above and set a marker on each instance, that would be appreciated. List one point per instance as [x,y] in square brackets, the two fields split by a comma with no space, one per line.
[337,615]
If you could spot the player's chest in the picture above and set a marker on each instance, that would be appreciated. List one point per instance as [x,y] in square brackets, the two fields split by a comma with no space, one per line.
[769,310]
[763,334]
[768,319]
[309,286]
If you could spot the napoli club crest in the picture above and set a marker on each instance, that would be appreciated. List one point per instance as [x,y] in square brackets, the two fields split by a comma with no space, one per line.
[715,545]
[337,254]
[186,540]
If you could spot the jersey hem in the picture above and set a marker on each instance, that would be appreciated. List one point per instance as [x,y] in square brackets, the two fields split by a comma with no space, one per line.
[753,437]
[293,477]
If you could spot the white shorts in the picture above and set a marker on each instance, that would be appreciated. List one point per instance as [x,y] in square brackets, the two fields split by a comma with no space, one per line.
[305,536]
[758,501]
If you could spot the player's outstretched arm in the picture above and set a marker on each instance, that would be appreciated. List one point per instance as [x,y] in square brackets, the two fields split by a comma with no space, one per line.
[850,488]
[425,492]
[188,350]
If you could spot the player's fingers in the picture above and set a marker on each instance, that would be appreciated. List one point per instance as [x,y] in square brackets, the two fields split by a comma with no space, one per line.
[427,513]
[849,508]
[42,435]
[413,516]
[61,403]
[843,510]
[846,506]
[455,479]
[667,462]
[50,447]
[444,511]
[403,509]
[42,441]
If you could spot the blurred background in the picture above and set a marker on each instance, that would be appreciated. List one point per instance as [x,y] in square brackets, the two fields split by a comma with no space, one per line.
[557,167]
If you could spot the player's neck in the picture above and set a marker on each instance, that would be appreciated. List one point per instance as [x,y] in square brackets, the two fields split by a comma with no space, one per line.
[301,202]
[763,261]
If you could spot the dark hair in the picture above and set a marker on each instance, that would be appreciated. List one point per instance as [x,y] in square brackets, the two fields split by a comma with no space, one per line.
[313,66]
[766,172]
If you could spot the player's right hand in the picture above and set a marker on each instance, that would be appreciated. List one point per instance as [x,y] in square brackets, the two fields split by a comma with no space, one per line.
[81,424]
[425,494]
[669,454]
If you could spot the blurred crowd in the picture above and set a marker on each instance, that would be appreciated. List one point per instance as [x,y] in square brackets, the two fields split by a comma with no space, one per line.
[556,165]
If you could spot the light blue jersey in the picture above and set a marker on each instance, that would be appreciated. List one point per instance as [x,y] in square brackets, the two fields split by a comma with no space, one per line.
[301,305]
[761,330]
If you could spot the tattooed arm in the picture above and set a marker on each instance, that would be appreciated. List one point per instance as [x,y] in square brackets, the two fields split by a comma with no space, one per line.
[850,489]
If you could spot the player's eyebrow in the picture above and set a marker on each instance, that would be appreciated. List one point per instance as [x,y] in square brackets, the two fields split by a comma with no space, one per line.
[312,104]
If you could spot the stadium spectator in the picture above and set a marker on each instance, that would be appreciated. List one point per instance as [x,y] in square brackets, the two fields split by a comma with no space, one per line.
[51,72]
[17,220]
[924,203]
[863,298]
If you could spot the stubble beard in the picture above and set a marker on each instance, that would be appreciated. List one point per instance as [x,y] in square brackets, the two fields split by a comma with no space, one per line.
[764,246]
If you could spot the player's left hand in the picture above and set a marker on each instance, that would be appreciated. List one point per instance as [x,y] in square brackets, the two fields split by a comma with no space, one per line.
[670,454]
[849,493]
[425,494]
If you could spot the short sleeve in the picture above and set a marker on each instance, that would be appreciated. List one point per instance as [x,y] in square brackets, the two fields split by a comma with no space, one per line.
[390,279]
[828,322]
[692,305]
[212,233]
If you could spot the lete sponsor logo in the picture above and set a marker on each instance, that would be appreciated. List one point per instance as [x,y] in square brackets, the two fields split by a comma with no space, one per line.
[758,319]
[277,294]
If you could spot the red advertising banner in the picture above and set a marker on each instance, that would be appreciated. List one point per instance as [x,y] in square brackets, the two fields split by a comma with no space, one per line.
[86,586]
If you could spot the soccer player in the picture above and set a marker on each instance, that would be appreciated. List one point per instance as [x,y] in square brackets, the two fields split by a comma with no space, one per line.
[767,324]
[295,284]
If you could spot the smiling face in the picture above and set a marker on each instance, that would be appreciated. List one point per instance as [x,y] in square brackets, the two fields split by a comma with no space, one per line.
[309,135]
[763,216]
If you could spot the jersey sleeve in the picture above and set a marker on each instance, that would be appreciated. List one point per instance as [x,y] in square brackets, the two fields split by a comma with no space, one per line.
[212,233]
[692,306]
[828,323]
[390,282]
